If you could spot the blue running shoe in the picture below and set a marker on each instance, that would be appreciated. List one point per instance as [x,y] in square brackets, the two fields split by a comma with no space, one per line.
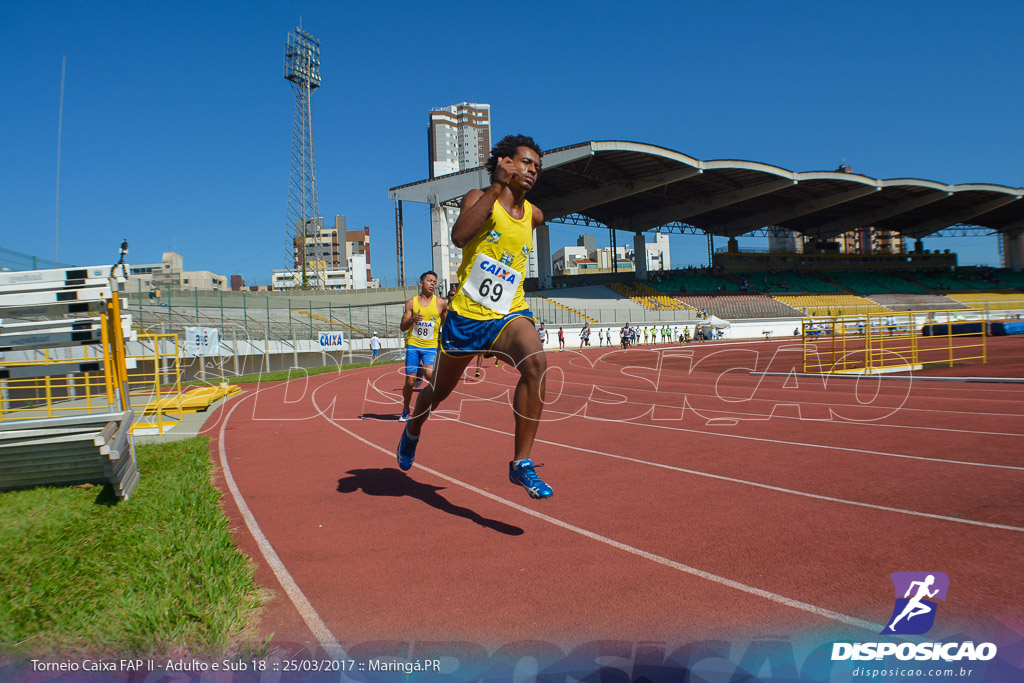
[405,416]
[406,451]
[525,475]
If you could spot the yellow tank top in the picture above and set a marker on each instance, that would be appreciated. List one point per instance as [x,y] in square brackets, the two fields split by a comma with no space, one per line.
[424,333]
[494,265]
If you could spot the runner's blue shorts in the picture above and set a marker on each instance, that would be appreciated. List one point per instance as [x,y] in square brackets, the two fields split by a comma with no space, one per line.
[461,336]
[415,354]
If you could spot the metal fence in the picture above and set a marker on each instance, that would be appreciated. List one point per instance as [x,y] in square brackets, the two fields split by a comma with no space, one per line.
[284,316]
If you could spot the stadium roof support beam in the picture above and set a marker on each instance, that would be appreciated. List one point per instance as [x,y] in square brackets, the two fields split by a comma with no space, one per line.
[732,197]
[963,215]
[872,216]
[680,212]
[779,217]
[1013,229]
[580,201]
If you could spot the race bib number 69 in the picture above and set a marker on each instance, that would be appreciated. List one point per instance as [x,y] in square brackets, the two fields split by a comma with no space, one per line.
[492,284]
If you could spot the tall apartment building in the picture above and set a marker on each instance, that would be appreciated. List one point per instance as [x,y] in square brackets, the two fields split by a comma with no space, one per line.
[332,247]
[867,240]
[458,138]
[338,257]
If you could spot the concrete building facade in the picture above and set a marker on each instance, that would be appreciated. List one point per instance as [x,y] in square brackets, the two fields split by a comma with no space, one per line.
[170,275]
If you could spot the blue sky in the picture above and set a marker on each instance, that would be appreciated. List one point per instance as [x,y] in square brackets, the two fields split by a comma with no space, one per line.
[177,119]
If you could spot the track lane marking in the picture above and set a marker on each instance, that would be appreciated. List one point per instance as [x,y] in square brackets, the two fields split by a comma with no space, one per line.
[664,561]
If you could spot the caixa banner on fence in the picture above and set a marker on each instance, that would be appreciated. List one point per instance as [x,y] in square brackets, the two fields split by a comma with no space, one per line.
[202,341]
[332,341]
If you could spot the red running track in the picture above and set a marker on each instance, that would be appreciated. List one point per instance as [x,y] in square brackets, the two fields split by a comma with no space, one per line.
[692,500]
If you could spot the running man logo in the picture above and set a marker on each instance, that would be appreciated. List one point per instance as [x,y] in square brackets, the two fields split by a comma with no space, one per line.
[914,611]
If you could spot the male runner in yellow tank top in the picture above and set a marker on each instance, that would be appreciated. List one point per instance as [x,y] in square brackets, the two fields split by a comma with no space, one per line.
[489,313]
[421,322]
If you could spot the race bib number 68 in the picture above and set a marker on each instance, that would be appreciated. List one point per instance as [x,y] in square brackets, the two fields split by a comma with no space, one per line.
[492,284]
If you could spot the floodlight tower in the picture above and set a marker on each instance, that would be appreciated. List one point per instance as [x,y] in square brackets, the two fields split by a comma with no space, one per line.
[302,68]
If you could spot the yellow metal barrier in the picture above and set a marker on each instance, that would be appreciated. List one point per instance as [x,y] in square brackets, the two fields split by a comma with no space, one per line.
[867,344]
[155,382]
[55,395]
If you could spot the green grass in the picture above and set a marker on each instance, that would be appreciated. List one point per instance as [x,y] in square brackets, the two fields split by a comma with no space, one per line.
[157,574]
[283,375]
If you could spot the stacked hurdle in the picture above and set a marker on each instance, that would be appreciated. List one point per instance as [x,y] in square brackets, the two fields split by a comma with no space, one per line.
[41,312]
[893,342]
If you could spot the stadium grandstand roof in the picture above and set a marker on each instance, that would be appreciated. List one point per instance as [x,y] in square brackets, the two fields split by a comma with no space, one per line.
[639,187]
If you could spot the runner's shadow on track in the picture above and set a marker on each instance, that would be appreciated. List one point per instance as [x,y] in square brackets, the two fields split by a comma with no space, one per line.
[387,417]
[395,483]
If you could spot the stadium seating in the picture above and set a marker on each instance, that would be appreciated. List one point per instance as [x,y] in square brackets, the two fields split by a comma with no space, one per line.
[917,302]
[691,281]
[874,282]
[832,304]
[995,301]
[570,314]
[783,282]
[739,306]
[970,279]
[647,296]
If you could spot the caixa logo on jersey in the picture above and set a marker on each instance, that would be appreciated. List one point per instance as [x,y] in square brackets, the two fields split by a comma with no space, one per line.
[913,614]
[499,271]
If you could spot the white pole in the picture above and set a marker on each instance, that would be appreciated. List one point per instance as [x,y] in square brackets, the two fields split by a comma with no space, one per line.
[60,127]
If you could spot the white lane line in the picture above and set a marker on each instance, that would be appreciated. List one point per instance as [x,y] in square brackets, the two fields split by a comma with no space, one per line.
[802,444]
[302,604]
[700,382]
[764,417]
[730,583]
[745,482]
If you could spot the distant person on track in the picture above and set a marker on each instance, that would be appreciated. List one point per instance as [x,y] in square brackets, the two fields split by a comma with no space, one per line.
[543,335]
[585,335]
[489,313]
[561,339]
[374,347]
[421,322]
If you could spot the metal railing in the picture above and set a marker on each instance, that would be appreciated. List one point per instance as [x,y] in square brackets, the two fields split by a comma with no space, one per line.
[891,343]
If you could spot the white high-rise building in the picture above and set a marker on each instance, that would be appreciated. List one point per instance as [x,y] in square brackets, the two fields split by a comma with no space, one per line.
[458,138]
